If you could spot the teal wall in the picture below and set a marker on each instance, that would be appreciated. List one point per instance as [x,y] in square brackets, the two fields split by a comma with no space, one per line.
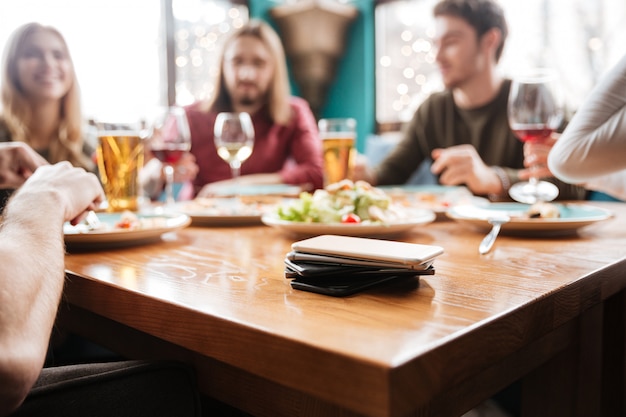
[353,91]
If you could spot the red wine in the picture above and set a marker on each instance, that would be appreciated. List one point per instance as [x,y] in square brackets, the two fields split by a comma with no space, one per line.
[532,133]
[170,155]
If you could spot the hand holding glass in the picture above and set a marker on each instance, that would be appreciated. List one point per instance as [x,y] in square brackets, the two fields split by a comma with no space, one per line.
[169,140]
[234,139]
[534,112]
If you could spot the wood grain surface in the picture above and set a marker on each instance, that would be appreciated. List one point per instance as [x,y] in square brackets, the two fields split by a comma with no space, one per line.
[218,298]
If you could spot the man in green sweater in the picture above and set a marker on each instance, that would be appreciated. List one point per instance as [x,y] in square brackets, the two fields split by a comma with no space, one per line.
[464,129]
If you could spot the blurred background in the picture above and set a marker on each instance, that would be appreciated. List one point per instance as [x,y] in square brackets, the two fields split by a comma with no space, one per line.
[134,54]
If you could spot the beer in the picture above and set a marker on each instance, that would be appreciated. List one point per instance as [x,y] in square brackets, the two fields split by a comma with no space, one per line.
[338,140]
[339,154]
[120,157]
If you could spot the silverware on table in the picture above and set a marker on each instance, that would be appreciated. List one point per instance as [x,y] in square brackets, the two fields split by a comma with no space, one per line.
[92,220]
[488,241]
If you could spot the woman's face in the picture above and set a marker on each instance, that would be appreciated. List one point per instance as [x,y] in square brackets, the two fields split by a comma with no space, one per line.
[44,68]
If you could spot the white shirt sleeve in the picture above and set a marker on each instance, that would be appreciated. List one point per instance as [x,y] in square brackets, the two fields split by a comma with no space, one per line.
[592,149]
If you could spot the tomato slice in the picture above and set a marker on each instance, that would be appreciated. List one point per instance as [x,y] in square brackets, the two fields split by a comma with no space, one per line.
[350,218]
[124,224]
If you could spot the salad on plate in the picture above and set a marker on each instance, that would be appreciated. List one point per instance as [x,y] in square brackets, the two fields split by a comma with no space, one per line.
[342,202]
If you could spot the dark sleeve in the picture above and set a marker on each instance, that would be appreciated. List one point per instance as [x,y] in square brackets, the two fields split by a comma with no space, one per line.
[406,157]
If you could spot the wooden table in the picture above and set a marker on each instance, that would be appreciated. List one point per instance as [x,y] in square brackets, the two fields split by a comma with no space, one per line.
[549,311]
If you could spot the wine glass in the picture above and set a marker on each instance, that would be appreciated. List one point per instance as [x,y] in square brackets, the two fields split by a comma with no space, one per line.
[534,112]
[234,139]
[169,140]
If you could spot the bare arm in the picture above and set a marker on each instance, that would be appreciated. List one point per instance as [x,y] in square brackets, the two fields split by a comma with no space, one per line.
[32,274]
[594,143]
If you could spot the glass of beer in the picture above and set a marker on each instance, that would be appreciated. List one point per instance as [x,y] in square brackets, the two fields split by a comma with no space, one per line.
[338,140]
[120,156]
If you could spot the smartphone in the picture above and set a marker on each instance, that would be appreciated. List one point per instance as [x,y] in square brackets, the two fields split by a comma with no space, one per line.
[347,262]
[372,250]
[337,271]
[342,289]
[320,269]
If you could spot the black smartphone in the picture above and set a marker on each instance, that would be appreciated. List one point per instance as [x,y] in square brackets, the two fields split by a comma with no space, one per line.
[320,269]
[342,289]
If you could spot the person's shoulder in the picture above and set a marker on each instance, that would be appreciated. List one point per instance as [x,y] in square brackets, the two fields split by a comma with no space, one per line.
[299,104]
[300,111]
[438,98]
[198,111]
[436,102]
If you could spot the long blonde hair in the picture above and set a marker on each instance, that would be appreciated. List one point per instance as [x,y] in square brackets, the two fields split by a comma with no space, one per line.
[279,91]
[17,112]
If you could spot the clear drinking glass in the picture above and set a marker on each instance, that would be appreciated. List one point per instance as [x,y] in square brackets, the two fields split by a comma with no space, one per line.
[534,112]
[234,139]
[120,156]
[168,141]
[338,144]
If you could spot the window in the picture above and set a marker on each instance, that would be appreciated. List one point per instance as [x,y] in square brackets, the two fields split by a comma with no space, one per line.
[119,47]
[117,62]
[199,29]
[580,38]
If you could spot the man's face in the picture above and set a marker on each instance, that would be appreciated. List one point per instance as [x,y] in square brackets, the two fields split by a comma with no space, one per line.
[460,55]
[248,71]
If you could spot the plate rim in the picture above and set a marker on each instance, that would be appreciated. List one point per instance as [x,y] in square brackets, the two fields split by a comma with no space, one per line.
[202,219]
[535,225]
[110,237]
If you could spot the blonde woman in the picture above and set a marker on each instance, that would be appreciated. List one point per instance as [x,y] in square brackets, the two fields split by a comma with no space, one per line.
[41,98]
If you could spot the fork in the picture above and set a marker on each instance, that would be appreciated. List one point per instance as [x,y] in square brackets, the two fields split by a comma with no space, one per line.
[92,220]
[488,241]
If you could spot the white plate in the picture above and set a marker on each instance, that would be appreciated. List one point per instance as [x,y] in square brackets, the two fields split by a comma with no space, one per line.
[572,217]
[225,211]
[414,218]
[260,189]
[79,237]
[438,198]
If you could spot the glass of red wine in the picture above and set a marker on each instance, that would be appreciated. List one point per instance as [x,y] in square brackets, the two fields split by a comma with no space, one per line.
[534,111]
[168,141]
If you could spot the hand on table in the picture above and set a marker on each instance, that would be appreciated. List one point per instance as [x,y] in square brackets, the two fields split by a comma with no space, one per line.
[536,158]
[18,161]
[461,165]
[362,171]
[186,168]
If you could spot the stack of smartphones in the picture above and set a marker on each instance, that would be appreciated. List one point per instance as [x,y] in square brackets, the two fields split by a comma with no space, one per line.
[343,265]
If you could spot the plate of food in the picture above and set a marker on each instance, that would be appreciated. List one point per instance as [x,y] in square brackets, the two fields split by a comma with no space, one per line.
[122,229]
[346,208]
[536,219]
[283,190]
[438,198]
[227,211]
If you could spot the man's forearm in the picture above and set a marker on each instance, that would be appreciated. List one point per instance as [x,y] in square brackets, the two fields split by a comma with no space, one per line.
[31,282]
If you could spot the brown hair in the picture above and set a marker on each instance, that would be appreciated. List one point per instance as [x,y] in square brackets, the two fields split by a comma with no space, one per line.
[279,91]
[16,110]
[482,15]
